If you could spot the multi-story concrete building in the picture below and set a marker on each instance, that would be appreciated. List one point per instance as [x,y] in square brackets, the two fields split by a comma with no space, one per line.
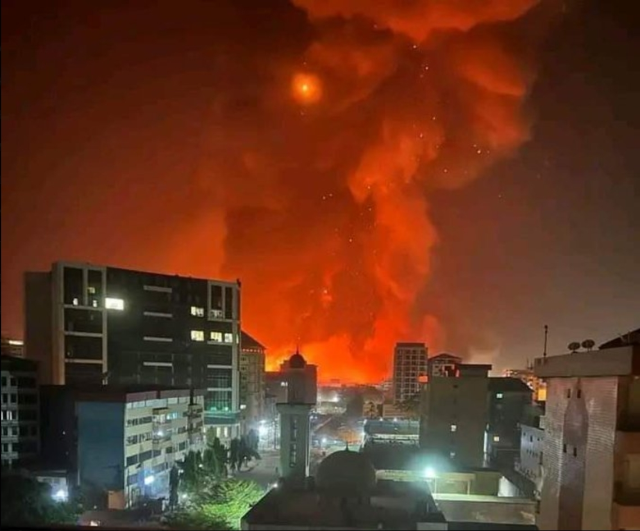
[252,387]
[509,398]
[121,441]
[591,457]
[20,426]
[454,415]
[529,464]
[410,365]
[88,323]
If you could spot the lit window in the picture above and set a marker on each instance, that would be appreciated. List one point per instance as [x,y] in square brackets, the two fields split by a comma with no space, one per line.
[228,338]
[216,336]
[243,406]
[498,395]
[197,335]
[197,311]
[454,427]
[91,290]
[94,303]
[496,438]
[76,302]
[114,304]
[452,455]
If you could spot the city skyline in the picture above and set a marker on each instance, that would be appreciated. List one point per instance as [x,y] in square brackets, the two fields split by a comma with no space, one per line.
[180,151]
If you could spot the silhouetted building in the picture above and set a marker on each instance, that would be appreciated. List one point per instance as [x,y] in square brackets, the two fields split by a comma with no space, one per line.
[454,415]
[252,385]
[537,385]
[20,415]
[120,442]
[96,324]
[509,398]
[409,367]
[591,459]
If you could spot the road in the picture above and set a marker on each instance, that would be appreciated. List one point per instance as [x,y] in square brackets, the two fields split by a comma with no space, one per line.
[265,471]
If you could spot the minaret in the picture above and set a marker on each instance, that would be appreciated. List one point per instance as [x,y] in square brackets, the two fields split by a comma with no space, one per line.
[294,421]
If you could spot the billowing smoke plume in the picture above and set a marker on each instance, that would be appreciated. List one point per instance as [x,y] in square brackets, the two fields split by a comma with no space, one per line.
[327,222]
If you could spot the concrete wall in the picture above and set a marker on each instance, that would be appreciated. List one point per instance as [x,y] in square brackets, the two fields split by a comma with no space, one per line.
[600,396]
[38,323]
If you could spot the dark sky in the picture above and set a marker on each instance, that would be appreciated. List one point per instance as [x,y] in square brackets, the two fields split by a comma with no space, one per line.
[140,134]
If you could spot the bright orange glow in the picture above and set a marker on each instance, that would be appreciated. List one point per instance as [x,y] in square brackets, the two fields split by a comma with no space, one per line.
[307,88]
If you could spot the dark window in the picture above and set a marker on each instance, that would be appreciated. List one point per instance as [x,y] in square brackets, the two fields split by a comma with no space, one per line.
[73,293]
[575,451]
[77,320]
[27,399]
[28,414]
[568,393]
[579,393]
[94,288]
[228,303]
[564,448]
[145,456]
[26,381]
[220,378]
[83,348]
[216,297]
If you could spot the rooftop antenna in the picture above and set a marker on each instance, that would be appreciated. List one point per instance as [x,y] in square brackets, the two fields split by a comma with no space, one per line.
[546,335]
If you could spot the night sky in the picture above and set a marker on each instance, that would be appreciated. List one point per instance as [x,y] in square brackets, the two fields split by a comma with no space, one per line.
[443,172]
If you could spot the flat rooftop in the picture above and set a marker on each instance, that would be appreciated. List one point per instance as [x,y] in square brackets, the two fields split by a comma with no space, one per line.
[620,361]
[393,506]
[486,509]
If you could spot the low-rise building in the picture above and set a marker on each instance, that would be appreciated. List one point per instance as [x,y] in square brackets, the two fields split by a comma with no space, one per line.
[12,347]
[591,456]
[20,418]
[121,442]
[401,431]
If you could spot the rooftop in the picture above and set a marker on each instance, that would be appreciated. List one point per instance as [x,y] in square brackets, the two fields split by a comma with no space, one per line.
[247,341]
[410,345]
[612,361]
[393,505]
[508,385]
[120,393]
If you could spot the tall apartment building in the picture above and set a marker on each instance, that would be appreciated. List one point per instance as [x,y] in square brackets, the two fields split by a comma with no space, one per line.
[410,364]
[529,464]
[20,427]
[591,459]
[96,324]
[252,386]
[454,415]
[121,441]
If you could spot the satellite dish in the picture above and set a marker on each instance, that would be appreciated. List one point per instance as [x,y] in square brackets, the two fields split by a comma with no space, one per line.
[574,346]
[588,344]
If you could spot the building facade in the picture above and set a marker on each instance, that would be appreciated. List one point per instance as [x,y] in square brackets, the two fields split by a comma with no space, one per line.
[410,365]
[454,415]
[105,325]
[537,385]
[20,414]
[509,399]
[529,464]
[121,442]
[252,387]
[591,457]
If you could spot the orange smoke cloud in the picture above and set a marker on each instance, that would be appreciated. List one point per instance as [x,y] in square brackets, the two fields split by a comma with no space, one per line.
[331,234]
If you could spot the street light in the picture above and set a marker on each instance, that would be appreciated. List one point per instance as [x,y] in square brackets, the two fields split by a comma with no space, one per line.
[430,473]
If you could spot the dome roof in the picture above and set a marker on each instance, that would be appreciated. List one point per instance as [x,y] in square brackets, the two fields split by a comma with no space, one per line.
[346,474]
[297,361]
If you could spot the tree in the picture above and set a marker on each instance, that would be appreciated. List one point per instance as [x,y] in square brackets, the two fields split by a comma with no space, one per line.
[219,506]
[26,501]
